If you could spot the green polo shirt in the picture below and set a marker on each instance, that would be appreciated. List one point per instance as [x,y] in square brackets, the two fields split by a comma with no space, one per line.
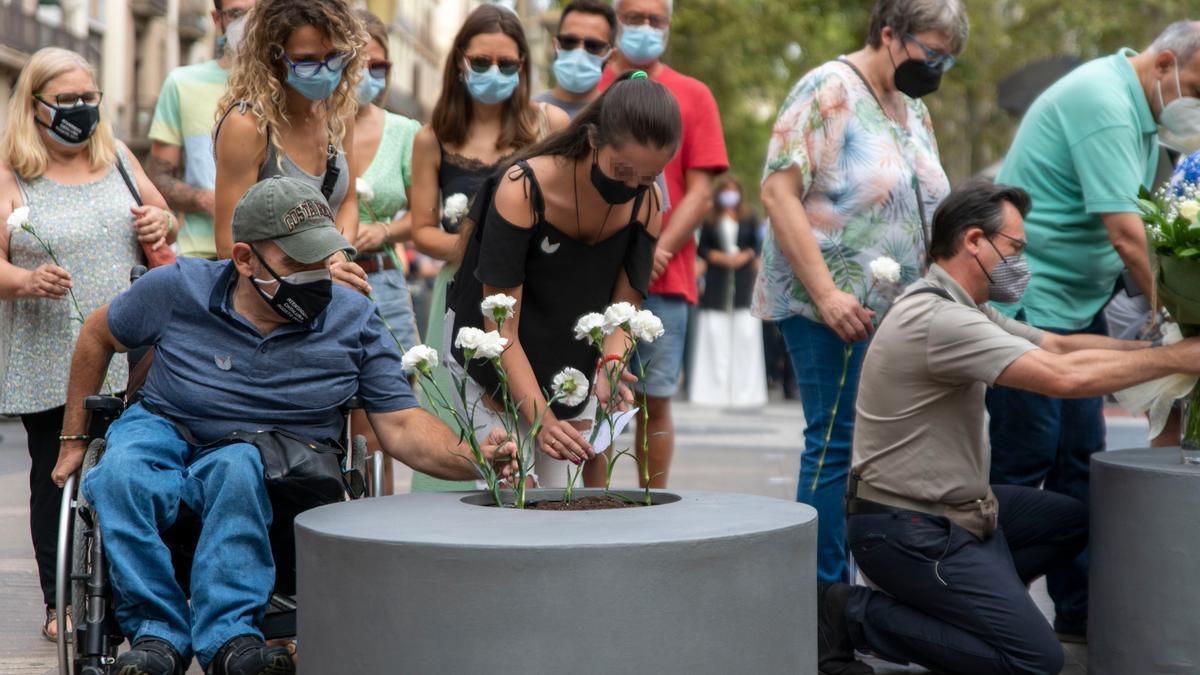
[1083,149]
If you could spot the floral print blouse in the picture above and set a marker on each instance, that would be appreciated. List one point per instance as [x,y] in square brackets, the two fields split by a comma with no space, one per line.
[858,172]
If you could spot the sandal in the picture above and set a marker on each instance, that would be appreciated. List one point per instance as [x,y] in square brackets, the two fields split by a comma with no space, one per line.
[50,627]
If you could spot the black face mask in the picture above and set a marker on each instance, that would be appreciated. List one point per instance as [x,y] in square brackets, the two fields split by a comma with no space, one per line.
[297,301]
[611,190]
[916,78]
[71,126]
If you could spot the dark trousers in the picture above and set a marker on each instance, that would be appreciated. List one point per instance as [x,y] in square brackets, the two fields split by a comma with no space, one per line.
[1042,441]
[45,498]
[955,604]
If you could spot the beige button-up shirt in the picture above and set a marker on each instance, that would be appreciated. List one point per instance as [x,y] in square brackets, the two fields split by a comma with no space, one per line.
[920,437]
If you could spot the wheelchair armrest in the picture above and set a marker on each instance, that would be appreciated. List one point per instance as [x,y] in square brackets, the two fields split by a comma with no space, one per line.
[109,405]
[136,273]
[355,402]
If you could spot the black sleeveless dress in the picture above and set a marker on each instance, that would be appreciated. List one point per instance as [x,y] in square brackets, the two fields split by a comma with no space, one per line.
[461,175]
[561,277]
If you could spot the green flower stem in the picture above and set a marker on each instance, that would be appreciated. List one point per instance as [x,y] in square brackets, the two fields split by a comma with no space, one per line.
[645,422]
[848,352]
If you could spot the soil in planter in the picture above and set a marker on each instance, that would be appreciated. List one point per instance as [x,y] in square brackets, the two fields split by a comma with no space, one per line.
[584,504]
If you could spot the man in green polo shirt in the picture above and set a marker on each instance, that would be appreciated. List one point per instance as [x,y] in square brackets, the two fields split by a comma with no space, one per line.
[1083,150]
[181,134]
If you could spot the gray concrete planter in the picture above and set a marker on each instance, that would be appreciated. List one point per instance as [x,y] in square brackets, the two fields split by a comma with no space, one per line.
[431,583]
[1144,564]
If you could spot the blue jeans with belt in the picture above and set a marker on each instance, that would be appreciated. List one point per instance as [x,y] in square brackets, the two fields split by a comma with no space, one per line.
[954,603]
[817,355]
[1044,441]
[147,473]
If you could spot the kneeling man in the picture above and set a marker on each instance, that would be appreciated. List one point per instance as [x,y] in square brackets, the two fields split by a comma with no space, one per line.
[262,341]
[952,556]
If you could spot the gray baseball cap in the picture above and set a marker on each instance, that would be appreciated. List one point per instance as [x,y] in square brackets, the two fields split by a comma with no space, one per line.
[291,213]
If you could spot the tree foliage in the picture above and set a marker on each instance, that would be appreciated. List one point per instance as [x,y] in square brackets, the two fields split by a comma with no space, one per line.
[750,52]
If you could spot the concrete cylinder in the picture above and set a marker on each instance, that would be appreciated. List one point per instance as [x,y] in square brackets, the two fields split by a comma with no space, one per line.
[1144,565]
[431,583]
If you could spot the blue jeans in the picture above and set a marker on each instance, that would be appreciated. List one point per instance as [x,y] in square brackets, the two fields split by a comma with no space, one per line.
[818,355]
[146,474]
[1043,441]
[663,358]
[956,604]
[395,305]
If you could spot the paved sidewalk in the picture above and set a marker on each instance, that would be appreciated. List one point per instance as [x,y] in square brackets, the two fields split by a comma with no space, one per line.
[753,451]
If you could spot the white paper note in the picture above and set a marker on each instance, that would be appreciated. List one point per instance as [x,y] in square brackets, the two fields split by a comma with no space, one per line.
[615,426]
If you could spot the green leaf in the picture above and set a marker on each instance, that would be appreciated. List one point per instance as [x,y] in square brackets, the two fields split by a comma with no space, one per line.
[1189,253]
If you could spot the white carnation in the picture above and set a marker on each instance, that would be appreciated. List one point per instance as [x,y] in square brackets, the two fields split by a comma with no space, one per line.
[468,339]
[455,207]
[18,218]
[618,315]
[363,187]
[419,359]
[591,327]
[645,327]
[1189,209]
[499,307]
[885,270]
[491,346]
[570,386]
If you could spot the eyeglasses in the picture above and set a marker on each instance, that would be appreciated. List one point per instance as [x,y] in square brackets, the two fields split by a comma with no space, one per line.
[231,15]
[73,99]
[933,57]
[1019,245]
[307,69]
[379,69]
[641,18]
[592,45]
[481,64]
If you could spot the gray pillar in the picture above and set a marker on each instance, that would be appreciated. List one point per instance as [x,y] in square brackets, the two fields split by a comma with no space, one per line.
[425,583]
[1144,564]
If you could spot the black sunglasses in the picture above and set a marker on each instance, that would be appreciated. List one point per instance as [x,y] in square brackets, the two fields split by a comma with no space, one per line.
[592,45]
[481,64]
[379,69]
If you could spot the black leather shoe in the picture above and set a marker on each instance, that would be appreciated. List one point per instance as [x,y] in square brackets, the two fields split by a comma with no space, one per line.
[835,649]
[249,655]
[150,656]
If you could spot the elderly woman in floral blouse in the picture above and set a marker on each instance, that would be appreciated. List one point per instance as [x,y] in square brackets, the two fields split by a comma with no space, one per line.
[852,174]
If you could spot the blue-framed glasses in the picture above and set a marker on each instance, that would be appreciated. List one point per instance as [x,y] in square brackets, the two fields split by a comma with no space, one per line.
[307,69]
[933,57]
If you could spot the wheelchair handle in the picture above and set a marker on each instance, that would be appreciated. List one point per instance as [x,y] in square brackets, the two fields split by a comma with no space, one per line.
[109,405]
[136,272]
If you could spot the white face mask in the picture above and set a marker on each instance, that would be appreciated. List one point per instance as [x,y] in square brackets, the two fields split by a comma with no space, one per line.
[233,34]
[1180,117]
[729,198]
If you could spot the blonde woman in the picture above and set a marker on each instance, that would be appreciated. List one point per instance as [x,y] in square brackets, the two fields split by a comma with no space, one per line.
[60,172]
[290,107]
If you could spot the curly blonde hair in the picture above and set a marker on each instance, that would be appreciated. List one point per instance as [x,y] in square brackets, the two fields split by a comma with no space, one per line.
[259,74]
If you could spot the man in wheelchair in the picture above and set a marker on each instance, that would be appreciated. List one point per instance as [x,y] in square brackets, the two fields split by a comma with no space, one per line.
[261,342]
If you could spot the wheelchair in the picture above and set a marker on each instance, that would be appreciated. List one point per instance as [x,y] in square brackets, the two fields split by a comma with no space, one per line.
[82,574]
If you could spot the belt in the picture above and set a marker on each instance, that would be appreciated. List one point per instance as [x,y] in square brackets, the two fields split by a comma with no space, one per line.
[857,490]
[856,506]
[374,262]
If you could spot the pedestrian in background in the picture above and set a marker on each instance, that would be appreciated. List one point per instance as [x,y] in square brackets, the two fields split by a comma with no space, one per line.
[728,368]
[383,143]
[483,116]
[181,134]
[852,171]
[642,39]
[290,108]
[1082,151]
[64,175]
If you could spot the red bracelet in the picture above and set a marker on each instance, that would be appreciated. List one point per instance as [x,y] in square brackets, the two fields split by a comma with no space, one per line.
[606,359]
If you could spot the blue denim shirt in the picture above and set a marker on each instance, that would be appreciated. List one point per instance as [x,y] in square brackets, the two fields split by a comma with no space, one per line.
[215,373]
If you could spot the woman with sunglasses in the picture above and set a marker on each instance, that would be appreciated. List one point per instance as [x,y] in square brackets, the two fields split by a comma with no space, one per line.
[568,229]
[852,174]
[290,108]
[383,143]
[62,174]
[483,116]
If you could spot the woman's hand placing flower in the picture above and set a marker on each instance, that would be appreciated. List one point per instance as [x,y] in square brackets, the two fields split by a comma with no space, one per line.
[560,440]
[153,225]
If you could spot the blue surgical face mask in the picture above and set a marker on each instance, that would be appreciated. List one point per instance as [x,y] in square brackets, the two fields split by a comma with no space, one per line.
[643,44]
[491,86]
[577,71]
[369,87]
[318,87]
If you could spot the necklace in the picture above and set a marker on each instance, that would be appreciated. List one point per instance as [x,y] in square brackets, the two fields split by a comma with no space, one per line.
[578,220]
